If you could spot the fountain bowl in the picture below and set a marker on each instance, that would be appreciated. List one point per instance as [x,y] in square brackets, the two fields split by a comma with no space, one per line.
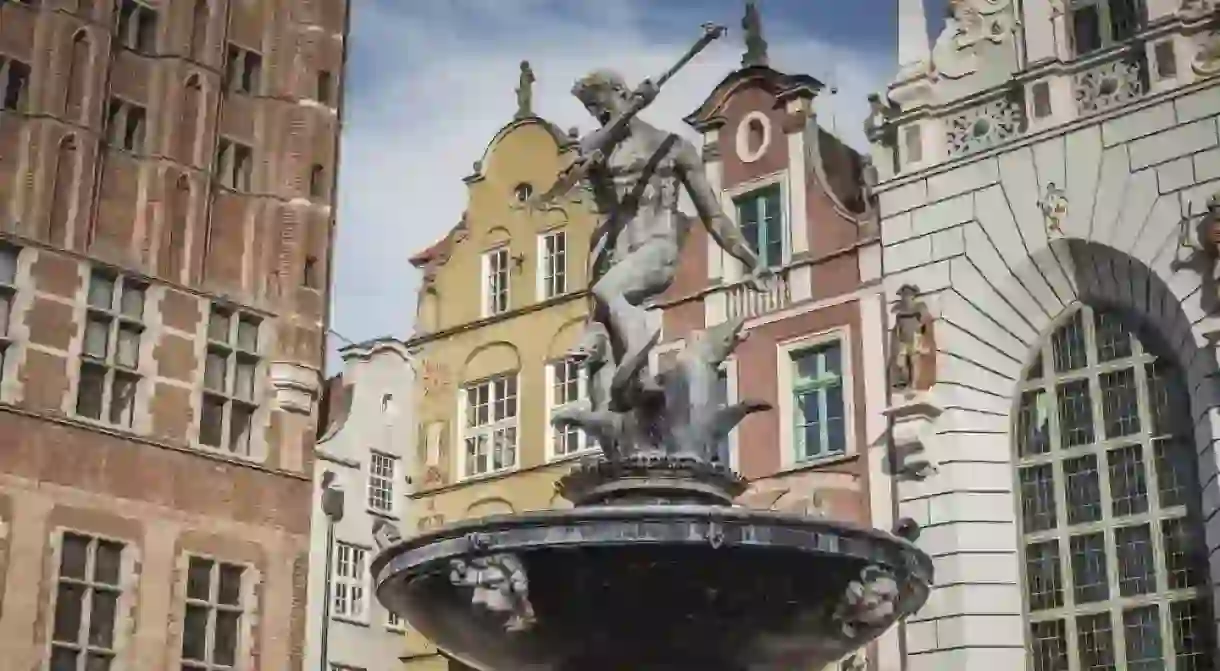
[647,586]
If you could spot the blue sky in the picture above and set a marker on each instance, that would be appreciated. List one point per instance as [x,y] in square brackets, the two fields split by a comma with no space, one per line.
[430,82]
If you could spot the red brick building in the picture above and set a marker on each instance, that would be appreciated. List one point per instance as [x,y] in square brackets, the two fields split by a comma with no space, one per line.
[794,190]
[167,172]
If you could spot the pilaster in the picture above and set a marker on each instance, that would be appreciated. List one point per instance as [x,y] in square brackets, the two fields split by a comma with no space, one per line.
[1038,30]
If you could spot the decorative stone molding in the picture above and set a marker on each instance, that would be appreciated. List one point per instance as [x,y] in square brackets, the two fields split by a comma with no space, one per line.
[745,150]
[1108,85]
[914,419]
[297,386]
[987,125]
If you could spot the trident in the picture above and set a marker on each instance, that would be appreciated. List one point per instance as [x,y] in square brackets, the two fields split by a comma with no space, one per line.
[640,99]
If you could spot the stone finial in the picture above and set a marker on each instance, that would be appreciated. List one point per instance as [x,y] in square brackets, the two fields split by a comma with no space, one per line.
[756,46]
[525,91]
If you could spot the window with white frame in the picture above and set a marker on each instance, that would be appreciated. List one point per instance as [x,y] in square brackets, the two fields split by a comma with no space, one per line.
[212,623]
[760,214]
[393,622]
[490,427]
[230,377]
[553,264]
[568,386]
[1097,24]
[382,468]
[817,392]
[349,584]
[8,296]
[495,282]
[1116,573]
[86,603]
[110,349]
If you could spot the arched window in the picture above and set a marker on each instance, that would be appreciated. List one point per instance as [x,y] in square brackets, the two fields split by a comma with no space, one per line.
[188,122]
[199,30]
[77,77]
[176,226]
[63,191]
[1115,563]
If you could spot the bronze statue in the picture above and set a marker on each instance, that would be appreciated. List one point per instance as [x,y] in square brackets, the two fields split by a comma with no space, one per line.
[636,172]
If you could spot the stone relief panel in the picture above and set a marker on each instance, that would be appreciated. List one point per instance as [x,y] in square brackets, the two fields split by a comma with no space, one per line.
[987,125]
[1110,84]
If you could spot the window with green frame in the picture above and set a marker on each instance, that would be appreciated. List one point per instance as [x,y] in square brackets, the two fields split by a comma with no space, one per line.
[760,214]
[818,412]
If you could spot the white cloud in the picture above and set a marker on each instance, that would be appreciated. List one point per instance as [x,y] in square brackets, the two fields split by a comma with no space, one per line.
[440,83]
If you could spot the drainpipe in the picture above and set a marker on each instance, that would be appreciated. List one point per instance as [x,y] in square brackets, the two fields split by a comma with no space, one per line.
[891,457]
[332,507]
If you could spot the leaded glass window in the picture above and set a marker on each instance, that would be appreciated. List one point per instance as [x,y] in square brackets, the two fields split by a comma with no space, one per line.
[1115,562]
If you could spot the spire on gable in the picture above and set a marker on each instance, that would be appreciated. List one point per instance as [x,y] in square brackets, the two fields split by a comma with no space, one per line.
[756,47]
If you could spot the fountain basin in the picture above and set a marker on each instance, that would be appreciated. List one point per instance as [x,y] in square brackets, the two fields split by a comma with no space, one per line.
[633,587]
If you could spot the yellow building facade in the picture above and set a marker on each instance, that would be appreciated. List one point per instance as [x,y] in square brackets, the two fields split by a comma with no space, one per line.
[502,299]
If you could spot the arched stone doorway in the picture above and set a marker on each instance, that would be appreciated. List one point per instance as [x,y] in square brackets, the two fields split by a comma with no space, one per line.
[1112,541]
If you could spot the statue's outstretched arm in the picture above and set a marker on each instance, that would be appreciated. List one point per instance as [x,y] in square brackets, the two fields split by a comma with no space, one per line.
[707,205]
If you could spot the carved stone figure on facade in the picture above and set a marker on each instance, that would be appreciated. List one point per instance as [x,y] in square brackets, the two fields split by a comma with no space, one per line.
[1054,207]
[968,25]
[498,583]
[525,91]
[756,46]
[880,111]
[1199,238]
[912,343]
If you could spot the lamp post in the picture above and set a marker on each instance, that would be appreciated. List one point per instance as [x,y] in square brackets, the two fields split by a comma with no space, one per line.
[332,507]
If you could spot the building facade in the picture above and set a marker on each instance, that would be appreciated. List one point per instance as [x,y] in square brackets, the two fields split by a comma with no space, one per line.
[360,478]
[793,189]
[1045,174]
[166,179]
[501,303]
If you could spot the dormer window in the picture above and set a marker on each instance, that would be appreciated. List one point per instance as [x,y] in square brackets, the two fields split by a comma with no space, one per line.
[1096,24]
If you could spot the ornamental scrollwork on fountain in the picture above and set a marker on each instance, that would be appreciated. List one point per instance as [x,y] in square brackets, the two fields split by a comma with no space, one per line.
[1108,85]
[499,584]
[986,125]
[868,603]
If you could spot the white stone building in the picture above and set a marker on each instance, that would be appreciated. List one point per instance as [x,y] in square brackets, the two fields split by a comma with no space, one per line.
[361,454]
[1043,177]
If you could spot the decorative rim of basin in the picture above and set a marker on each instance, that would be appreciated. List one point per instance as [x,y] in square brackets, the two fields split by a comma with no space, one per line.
[609,526]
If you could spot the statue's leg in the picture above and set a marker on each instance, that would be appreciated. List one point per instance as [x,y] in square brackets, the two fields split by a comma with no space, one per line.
[640,275]
[593,345]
